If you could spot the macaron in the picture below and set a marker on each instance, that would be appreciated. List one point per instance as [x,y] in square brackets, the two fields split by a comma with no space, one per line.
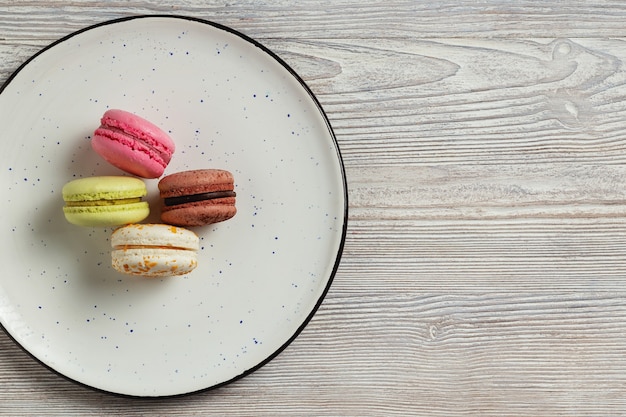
[133,144]
[197,197]
[154,250]
[105,201]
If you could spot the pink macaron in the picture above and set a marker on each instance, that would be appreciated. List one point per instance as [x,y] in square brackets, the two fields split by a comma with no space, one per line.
[133,144]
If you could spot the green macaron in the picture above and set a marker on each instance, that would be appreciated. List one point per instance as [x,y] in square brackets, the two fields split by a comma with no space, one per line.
[105,201]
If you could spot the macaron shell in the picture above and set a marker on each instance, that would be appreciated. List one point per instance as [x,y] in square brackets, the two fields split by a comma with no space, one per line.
[103,188]
[198,214]
[129,156]
[154,262]
[195,182]
[161,235]
[104,216]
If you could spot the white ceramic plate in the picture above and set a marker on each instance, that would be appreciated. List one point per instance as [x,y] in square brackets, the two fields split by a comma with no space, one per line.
[228,103]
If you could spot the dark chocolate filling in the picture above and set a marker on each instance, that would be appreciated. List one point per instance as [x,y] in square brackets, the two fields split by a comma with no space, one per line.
[174,201]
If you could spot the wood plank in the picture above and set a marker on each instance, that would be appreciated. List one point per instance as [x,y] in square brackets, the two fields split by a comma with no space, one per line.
[481,102]
[337,19]
[457,257]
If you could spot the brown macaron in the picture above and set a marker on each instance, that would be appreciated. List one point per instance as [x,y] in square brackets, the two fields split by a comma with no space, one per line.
[198,197]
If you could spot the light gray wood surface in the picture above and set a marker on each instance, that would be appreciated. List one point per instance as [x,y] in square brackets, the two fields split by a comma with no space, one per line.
[485,261]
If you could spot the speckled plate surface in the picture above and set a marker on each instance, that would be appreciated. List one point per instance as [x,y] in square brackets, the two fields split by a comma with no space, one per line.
[228,103]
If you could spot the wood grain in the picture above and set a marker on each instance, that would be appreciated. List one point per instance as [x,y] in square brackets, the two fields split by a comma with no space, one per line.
[485,260]
[32,19]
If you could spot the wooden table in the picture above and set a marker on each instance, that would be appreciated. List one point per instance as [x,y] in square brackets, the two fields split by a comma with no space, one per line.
[485,262]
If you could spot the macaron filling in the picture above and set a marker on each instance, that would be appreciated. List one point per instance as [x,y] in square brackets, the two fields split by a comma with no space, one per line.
[103,202]
[129,247]
[193,198]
